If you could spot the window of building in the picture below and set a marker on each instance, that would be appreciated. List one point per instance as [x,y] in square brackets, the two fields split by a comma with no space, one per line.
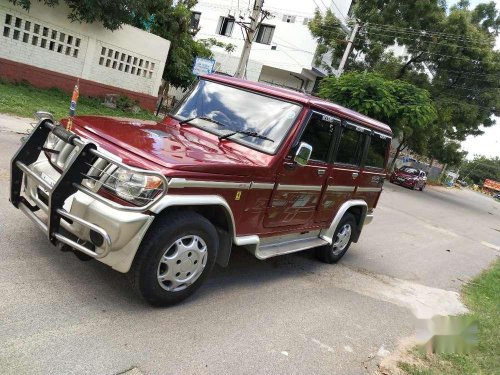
[265,34]
[195,20]
[318,133]
[225,26]
[288,19]
[376,151]
[306,21]
[350,145]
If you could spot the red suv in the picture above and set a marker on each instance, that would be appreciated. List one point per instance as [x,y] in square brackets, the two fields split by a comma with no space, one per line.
[410,177]
[235,163]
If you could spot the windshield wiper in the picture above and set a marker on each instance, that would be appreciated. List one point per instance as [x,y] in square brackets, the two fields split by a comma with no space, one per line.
[188,120]
[247,133]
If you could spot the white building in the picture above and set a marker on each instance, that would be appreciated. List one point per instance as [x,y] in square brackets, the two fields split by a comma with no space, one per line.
[283,49]
[42,46]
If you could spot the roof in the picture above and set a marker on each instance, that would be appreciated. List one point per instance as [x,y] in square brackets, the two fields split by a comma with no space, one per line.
[302,98]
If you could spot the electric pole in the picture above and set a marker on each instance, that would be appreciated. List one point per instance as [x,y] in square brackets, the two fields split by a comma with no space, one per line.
[348,49]
[250,32]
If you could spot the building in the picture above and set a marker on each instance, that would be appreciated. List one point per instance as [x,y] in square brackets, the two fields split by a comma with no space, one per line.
[283,50]
[46,49]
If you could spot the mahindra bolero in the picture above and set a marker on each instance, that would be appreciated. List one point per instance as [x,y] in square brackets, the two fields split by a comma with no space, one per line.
[236,163]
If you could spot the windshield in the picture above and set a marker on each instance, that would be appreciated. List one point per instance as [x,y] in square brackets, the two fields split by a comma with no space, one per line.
[236,110]
[410,170]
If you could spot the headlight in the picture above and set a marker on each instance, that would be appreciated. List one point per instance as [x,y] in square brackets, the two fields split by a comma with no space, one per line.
[133,187]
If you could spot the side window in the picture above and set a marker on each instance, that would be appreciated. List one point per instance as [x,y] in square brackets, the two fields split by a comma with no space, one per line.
[349,148]
[376,151]
[318,133]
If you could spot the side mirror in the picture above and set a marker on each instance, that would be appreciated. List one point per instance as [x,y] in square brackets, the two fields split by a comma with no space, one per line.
[303,154]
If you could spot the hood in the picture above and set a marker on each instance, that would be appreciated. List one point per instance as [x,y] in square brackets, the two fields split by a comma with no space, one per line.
[176,147]
[405,174]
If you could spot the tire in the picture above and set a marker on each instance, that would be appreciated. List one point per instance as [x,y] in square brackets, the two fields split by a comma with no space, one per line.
[174,258]
[422,188]
[332,254]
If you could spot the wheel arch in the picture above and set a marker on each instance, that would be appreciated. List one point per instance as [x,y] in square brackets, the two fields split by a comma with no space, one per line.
[358,208]
[214,208]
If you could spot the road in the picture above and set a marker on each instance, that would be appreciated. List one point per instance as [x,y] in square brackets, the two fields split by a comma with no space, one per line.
[290,314]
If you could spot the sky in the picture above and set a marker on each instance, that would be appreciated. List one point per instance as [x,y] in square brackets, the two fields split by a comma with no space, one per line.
[487,144]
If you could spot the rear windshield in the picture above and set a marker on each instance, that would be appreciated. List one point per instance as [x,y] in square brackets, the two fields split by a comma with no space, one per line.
[233,109]
[410,170]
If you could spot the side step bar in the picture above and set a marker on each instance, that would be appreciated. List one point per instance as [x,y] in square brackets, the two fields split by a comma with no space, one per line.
[287,247]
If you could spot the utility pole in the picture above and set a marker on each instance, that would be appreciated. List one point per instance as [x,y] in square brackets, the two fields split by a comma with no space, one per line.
[347,51]
[250,32]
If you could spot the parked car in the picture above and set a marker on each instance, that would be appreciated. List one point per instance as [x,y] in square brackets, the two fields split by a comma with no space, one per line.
[235,163]
[410,177]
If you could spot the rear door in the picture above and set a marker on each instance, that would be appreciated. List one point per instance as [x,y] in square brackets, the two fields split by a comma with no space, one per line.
[372,174]
[345,174]
[296,198]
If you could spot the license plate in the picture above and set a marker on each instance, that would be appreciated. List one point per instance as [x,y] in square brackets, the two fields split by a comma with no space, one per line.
[401,179]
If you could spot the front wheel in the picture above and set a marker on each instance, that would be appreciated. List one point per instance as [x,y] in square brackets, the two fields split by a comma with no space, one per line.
[174,258]
[342,239]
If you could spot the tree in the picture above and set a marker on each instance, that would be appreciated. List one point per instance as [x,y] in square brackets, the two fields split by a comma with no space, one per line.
[173,22]
[480,168]
[450,54]
[406,108]
[112,13]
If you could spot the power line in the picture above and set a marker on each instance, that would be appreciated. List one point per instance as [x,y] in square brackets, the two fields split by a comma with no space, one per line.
[398,36]
[340,12]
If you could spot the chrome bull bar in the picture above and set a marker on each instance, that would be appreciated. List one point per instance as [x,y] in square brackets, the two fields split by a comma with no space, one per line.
[67,185]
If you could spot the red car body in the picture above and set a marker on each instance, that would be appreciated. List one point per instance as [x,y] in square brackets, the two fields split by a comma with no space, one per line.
[409,177]
[316,183]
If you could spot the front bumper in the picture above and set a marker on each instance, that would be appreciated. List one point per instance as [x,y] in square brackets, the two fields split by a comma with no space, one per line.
[70,213]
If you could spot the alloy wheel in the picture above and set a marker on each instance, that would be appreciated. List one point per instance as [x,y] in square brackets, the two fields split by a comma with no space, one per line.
[342,239]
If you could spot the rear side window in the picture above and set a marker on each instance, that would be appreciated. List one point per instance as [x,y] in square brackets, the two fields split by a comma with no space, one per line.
[376,151]
[349,147]
[318,133]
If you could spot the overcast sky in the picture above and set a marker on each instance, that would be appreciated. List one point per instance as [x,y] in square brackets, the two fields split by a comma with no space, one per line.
[487,144]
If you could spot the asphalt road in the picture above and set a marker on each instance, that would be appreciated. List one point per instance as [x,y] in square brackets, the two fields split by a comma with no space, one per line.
[290,314]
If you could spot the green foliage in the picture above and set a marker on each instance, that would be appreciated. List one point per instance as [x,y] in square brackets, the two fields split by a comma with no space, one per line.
[24,100]
[481,296]
[125,103]
[455,61]
[173,22]
[481,168]
[212,42]
[406,108]
[112,13]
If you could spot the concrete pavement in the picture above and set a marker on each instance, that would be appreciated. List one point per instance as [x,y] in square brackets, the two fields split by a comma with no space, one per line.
[290,314]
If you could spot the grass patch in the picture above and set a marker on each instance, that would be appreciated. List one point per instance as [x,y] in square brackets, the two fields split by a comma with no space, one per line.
[23,100]
[482,297]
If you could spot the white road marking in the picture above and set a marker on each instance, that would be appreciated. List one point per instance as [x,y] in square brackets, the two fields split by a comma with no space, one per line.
[441,230]
[423,301]
[490,245]
[285,353]
[348,349]
[323,346]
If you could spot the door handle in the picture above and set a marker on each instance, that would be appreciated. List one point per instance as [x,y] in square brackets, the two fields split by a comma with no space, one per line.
[321,172]
[355,175]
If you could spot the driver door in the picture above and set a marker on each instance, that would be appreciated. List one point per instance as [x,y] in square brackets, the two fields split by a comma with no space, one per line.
[298,191]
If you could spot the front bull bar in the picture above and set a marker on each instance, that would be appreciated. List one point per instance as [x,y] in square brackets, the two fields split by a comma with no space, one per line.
[67,185]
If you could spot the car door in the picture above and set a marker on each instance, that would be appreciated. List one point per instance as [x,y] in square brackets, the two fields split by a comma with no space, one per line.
[372,174]
[295,200]
[344,176]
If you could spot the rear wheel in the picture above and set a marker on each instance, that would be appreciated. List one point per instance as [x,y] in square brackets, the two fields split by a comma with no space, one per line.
[342,239]
[174,258]
[422,187]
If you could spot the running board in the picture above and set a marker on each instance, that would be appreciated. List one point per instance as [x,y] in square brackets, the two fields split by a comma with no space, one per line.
[287,247]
